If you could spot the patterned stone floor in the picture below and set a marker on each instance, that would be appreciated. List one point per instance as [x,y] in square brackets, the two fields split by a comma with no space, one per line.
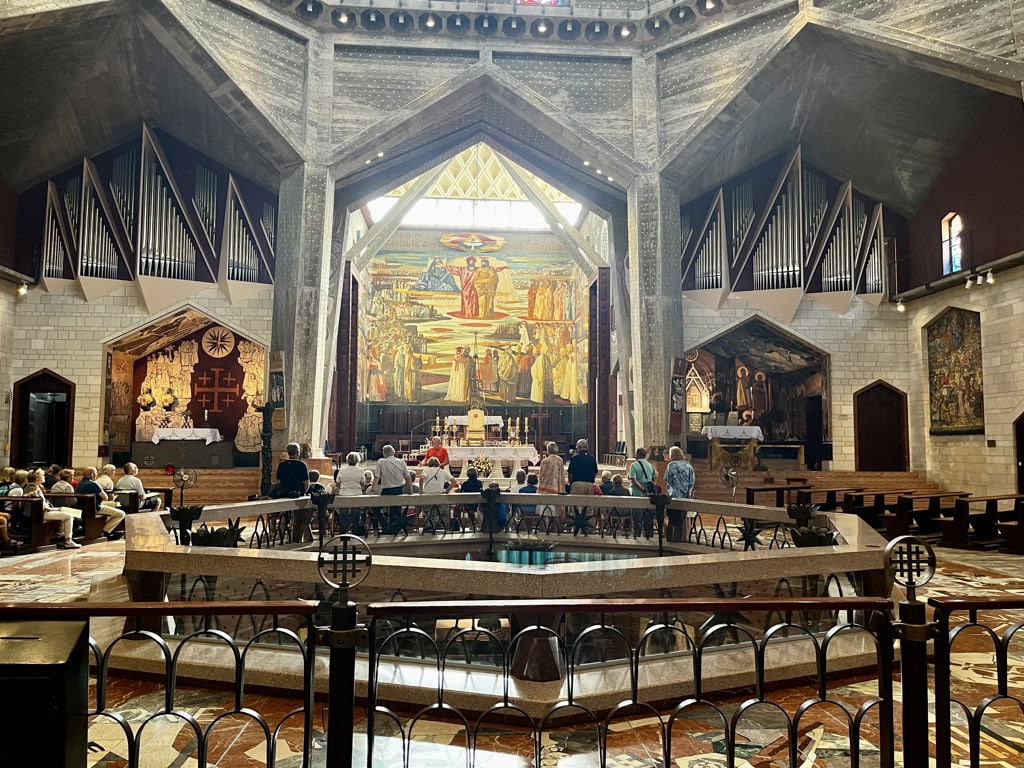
[634,742]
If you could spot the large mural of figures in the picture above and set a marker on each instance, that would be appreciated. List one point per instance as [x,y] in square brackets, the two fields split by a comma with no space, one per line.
[474,321]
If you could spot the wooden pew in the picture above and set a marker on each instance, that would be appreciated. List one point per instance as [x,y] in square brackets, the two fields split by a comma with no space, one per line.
[909,510]
[780,491]
[92,521]
[984,521]
[129,501]
[831,498]
[27,523]
[882,501]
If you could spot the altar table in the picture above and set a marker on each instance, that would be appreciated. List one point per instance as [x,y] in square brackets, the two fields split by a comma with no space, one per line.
[496,453]
[733,433]
[188,433]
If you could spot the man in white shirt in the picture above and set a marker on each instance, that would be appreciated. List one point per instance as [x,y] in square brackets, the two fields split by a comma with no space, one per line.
[394,479]
[131,482]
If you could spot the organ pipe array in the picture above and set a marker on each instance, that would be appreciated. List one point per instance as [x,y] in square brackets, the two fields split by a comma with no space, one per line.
[809,230]
[131,213]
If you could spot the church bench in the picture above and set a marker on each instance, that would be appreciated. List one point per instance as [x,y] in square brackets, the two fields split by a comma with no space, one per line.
[881,502]
[92,521]
[129,501]
[909,510]
[829,502]
[27,523]
[983,521]
[781,492]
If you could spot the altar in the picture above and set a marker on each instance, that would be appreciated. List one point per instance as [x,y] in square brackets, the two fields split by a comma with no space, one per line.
[737,457]
[517,455]
[463,420]
[195,447]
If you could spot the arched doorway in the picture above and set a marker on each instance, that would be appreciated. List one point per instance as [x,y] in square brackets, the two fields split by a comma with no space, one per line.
[43,420]
[880,429]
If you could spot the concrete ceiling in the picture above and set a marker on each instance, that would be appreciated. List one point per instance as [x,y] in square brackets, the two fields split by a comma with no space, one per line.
[859,112]
[81,80]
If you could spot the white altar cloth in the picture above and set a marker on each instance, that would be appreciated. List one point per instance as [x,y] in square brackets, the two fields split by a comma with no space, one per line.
[733,433]
[461,421]
[193,433]
[496,453]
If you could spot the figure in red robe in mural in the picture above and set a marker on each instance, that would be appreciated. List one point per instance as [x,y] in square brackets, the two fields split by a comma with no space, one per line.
[467,281]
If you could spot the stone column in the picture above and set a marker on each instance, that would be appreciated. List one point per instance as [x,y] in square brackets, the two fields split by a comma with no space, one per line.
[301,327]
[655,303]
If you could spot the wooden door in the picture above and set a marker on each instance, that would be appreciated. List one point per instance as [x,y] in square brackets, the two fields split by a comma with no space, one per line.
[880,429]
[1018,433]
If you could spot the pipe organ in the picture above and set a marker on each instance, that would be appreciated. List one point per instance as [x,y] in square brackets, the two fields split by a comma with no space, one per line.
[149,210]
[807,231]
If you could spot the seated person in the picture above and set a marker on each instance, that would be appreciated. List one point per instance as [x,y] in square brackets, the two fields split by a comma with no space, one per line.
[65,483]
[530,487]
[105,478]
[315,487]
[64,515]
[104,505]
[618,489]
[51,476]
[471,484]
[520,481]
[606,483]
[292,476]
[130,482]
[436,479]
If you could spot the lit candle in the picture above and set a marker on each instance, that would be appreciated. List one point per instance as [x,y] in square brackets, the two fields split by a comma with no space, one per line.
[206,415]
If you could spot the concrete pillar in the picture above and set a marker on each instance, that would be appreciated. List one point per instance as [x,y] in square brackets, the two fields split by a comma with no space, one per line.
[655,303]
[302,317]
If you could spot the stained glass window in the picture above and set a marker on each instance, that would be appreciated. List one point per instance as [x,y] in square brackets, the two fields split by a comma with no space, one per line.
[952,245]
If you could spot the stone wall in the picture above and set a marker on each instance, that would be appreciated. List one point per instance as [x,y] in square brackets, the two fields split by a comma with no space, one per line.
[64,333]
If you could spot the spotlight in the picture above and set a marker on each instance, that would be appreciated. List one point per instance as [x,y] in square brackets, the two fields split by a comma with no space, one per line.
[969,283]
[541,28]
[899,306]
[569,29]
[624,31]
[990,278]
[23,289]
[981,278]
[682,14]
[486,25]
[430,22]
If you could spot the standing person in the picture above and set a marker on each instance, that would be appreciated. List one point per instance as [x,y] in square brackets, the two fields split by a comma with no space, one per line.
[436,451]
[680,480]
[104,506]
[436,479]
[348,478]
[130,482]
[292,475]
[551,472]
[467,278]
[641,483]
[393,478]
[582,470]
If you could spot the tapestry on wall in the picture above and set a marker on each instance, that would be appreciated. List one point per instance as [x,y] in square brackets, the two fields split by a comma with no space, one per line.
[956,394]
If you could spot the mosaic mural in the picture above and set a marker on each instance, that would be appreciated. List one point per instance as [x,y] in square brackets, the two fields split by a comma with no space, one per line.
[476,323]
[956,396]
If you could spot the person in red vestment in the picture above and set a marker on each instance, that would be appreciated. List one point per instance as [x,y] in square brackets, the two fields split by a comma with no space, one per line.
[467,280]
[436,451]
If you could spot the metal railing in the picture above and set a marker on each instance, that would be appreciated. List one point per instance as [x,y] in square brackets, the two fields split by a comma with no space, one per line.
[584,665]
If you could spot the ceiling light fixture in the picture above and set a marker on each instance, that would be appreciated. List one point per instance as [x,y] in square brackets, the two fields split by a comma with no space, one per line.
[542,27]
[586,163]
[990,278]
[309,6]
[430,22]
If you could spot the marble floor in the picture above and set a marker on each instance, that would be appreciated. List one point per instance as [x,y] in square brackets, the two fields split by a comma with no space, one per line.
[94,572]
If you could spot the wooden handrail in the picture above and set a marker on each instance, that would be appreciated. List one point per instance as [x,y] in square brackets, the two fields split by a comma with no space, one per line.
[84,610]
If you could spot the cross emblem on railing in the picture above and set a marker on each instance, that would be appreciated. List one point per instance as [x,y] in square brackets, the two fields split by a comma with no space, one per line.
[910,562]
[344,561]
